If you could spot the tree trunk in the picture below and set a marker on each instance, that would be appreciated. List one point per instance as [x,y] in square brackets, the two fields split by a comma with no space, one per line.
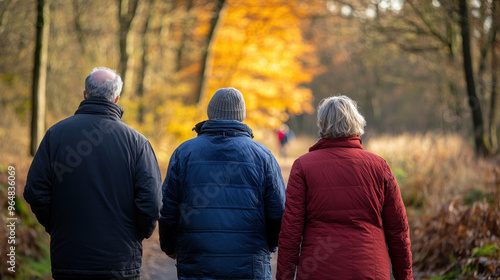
[206,64]
[494,100]
[77,22]
[144,61]
[373,91]
[489,39]
[40,75]
[455,103]
[494,81]
[475,106]
[186,28]
[373,109]
[126,13]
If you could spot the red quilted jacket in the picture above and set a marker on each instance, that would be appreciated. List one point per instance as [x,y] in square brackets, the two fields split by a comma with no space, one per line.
[344,217]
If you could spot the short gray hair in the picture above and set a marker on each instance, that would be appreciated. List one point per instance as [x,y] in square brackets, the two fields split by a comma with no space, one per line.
[107,89]
[338,117]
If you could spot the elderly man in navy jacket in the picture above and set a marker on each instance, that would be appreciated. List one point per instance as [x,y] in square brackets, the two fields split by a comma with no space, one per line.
[223,198]
[94,185]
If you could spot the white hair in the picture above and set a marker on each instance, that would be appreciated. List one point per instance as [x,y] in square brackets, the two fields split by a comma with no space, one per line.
[338,117]
[107,89]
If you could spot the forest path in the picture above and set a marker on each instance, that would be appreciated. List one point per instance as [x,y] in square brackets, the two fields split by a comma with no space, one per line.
[157,266]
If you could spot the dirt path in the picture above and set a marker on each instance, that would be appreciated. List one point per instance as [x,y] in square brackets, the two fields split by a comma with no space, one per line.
[157,266]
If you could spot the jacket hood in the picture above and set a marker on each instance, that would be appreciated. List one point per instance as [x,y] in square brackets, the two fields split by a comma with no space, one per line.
[100,106]
[346,142]
[223,127]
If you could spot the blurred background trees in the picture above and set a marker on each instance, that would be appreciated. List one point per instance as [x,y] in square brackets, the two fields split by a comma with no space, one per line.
[403,61]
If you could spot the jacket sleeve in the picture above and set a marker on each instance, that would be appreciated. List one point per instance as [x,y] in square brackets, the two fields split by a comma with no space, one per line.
[274,200]
[38,189]
[293,224]
[397,231]
[170,212]
[147,191]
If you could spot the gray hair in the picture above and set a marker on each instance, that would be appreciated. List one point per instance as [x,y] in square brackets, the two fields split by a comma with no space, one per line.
[107,89]
[338,117]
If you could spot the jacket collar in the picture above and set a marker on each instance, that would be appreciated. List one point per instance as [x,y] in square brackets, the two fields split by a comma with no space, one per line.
[223,127]
[100,106]
[346,142]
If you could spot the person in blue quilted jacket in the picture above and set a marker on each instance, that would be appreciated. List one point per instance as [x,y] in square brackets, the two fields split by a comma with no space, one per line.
[223,198]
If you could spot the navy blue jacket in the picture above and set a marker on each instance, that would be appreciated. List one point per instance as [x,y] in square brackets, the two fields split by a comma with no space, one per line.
[94,185]
[223,199]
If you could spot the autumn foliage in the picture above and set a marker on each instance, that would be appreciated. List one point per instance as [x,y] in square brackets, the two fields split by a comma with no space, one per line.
[261,51]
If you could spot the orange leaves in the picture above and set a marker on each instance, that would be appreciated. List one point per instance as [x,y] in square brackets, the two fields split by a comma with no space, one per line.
[260,50]
[257,47]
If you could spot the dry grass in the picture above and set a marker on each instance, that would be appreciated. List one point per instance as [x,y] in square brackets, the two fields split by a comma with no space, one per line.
[434,169]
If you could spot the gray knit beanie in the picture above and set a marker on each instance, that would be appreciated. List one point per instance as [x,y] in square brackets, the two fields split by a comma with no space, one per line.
[227,104]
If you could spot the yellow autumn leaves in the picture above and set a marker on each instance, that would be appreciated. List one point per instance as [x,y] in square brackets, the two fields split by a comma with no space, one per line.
[260,50]
[257,48]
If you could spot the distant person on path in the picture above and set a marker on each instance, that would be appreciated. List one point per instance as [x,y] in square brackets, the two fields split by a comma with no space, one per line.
[94,185]
[223,198]
[344,216]
[285,134]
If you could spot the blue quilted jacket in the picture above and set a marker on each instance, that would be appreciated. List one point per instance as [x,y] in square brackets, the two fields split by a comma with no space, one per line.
[223,199]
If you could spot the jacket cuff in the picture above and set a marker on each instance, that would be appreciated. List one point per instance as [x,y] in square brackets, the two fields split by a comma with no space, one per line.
[145,226]
[168,237]
[43,216]
[273,228]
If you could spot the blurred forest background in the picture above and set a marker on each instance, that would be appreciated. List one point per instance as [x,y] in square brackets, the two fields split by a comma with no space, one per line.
[424,73]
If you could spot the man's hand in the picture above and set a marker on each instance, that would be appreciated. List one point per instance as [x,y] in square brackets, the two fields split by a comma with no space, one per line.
[173,256]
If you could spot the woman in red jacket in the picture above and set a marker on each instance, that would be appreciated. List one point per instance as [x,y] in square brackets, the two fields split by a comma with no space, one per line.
[344,216]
